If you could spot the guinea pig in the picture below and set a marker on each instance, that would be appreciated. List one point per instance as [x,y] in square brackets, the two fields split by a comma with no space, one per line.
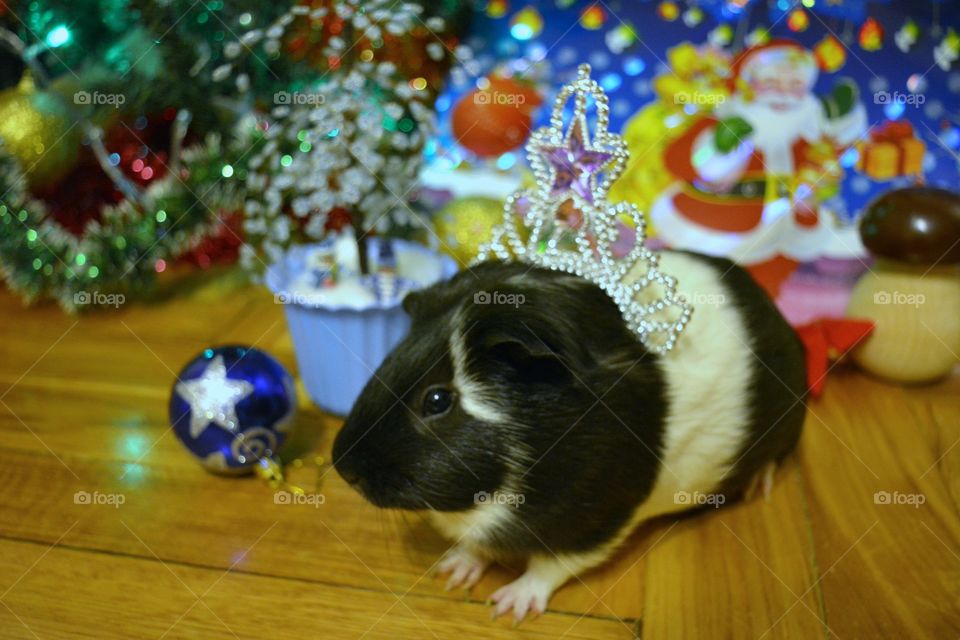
[529,423]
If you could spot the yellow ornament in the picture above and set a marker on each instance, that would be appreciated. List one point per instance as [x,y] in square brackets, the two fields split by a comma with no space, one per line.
[757,37]
[830,54]
[684,59]
[721,36]
[645,177]
[466,223]
[696,81]
[497,8]
[526,23]
[695,84]
[35,127]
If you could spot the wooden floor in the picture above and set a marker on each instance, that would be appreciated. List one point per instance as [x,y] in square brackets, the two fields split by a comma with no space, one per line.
[83,406]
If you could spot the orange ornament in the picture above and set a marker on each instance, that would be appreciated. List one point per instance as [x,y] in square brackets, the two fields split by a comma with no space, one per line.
[592,18]
[871,35]
[668,11]
[497,118]
[798,20]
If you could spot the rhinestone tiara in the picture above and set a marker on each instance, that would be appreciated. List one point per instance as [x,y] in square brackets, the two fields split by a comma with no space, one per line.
[565,222]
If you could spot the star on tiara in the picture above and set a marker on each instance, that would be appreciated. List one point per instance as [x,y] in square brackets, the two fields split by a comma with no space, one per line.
[565,223]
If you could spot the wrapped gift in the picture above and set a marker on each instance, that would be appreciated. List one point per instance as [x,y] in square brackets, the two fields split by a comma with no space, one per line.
[893,150]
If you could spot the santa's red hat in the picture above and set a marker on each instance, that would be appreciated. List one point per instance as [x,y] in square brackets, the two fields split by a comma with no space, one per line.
[772,52]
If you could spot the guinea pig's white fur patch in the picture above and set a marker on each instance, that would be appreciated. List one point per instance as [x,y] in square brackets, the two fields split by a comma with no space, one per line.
[471,393]
[708,375]
[472,527]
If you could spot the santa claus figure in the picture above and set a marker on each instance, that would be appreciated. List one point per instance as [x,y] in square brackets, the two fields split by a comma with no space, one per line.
[748,175]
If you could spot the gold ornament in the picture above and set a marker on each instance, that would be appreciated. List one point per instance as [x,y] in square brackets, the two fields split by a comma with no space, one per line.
[694,85]
[465,224]
[646,177]
[35,127]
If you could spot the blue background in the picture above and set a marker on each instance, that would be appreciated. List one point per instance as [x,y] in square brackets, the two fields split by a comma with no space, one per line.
[627,77]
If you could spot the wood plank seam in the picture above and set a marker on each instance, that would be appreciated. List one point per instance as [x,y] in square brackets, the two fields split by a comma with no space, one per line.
[82,549]
[812,555]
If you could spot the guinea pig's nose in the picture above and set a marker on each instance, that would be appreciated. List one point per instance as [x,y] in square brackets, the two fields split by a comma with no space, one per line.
[349,466]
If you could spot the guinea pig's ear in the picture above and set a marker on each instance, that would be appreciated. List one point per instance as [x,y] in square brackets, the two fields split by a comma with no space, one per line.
[413,303]
[434,300]
[527,354]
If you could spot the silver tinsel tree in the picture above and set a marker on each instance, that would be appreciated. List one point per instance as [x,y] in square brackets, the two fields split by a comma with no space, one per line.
[352,139]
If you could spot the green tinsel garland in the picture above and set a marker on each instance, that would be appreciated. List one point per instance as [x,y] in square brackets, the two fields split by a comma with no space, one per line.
[39,259]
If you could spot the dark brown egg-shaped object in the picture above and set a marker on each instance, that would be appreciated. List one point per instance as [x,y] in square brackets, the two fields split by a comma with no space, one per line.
[916,225]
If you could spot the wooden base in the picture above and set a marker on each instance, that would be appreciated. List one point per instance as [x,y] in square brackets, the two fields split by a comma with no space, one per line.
[917,316]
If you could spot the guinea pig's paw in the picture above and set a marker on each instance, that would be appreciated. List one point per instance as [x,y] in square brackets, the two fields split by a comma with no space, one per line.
[527,594]
[762,482]
[464,566]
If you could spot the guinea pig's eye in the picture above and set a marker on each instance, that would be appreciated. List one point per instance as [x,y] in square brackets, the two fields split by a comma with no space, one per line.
[436,401]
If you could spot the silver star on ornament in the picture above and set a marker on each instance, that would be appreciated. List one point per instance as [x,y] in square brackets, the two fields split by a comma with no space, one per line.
[213,398]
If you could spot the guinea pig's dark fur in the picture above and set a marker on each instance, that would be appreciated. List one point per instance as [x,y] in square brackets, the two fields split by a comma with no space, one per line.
[547,362]
[525,382]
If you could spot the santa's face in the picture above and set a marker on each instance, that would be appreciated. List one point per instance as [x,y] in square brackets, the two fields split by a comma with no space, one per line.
[780,87]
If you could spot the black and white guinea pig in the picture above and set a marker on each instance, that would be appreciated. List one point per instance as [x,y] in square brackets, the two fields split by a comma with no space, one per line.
[529,423]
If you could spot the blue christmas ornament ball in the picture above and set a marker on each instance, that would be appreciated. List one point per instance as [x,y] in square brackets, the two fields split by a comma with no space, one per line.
[231,406]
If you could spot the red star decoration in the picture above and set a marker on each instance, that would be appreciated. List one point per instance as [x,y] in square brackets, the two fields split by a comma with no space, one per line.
[826,339]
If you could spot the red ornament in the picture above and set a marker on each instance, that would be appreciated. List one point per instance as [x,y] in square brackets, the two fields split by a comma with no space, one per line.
[221,246]
[80,196]
[141,151]
[338,219]
[496,119]
[143,146]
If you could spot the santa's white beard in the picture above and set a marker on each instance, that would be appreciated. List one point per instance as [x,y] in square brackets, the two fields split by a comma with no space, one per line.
[775,132]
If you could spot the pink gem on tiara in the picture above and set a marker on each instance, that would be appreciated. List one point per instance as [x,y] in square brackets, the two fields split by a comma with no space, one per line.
[573,170]
[575,164]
